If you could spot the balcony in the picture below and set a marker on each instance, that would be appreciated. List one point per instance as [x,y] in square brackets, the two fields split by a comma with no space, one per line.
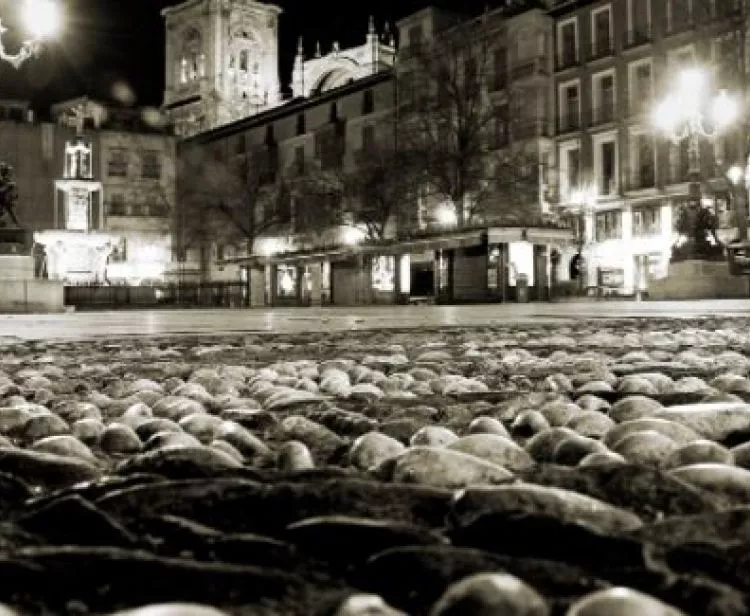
[643,179]
[603,114]
[567,59]
[680,23]
[526,69]
[726,9]
[600,49]
[637,37]
[640,105]
[531,129]
[499,82]
[569,122]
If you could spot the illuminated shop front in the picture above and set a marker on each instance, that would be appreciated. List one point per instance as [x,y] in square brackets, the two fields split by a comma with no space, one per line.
[628,247]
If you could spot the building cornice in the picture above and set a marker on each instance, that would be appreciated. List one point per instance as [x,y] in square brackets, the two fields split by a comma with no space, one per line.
[292,107]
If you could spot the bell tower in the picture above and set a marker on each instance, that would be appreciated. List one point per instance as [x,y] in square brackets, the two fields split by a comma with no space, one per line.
[222,62]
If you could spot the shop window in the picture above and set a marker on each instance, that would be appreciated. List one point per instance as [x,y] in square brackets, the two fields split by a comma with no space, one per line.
[383,273]
[286,281]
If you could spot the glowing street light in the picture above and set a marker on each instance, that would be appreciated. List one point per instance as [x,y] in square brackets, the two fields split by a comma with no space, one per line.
[446,215]
[41,18]
[692,112]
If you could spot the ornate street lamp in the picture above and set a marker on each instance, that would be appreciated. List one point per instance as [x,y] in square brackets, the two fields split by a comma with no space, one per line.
[580,203]
[41,19]
[692,112]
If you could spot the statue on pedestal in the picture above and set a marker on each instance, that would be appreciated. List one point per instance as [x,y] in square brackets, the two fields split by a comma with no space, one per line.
[8,196]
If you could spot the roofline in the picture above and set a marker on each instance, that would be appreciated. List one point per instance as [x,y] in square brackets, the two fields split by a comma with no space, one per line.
[293,106]
[177,7]
[429,9]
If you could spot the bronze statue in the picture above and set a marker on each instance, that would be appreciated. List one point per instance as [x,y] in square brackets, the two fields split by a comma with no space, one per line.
[8,196]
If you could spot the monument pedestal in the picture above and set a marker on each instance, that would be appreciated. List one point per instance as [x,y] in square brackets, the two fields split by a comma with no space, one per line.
[20,291]
[696,279]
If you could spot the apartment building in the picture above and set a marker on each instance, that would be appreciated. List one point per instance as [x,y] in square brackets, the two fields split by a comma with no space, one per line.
[334,131]
[613,60]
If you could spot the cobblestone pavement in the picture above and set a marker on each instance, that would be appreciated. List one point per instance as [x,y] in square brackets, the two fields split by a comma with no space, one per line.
[540,467]
[84,325]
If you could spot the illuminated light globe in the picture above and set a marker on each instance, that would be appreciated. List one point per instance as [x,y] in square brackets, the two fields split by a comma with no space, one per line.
[735,174]
[667,114]
[446,215]
[724,110]
[353,235]
[41,18]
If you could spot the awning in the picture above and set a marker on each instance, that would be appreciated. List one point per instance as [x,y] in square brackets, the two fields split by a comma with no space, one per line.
[535,235]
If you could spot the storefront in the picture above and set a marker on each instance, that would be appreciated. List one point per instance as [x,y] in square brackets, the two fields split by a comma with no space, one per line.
[479,265]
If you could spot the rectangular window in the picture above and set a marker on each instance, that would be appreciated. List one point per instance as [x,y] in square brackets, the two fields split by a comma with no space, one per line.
[647,220]
[570,118]
[368,102]
[568,51]
[644,168]
[415,37]
[604,95]
[270,138]
[368,138]
[500,76]
[574,169]
[602,33]
[407,93]
[301,125]
[299,160]
[639,22]
[116,206]
[151,164]
[608,225]
[680,15]
[502,132]
[641,87]
[117,165]
[608,169]
[240,146]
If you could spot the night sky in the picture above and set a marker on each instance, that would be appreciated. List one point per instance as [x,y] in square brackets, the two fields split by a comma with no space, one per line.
[109,41]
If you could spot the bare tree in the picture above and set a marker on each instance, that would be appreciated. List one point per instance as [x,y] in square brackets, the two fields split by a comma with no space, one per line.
[229,202]
[463,148]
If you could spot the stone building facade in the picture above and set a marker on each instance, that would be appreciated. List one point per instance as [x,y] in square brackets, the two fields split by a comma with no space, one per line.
[614,60]
[94,183]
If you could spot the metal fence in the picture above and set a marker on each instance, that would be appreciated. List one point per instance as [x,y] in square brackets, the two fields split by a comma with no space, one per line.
[185,295]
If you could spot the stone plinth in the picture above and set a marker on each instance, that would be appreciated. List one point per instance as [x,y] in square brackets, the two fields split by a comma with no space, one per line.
[694,279]
[21,292]
[16,267]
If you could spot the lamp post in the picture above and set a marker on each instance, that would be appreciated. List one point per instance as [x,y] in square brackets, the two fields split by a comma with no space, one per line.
[582,202]
[41,19]
[693,112]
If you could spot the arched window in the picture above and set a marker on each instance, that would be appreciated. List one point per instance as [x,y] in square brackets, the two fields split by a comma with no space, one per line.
[243,60]
[193,62]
